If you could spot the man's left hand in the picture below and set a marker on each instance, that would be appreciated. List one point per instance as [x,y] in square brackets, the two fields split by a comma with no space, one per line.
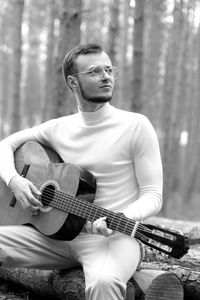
[99,227]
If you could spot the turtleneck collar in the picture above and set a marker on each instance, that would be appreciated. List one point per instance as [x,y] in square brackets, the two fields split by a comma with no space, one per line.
[96,116]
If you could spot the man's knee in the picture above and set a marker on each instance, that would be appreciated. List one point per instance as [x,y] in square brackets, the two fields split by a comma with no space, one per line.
[107,286]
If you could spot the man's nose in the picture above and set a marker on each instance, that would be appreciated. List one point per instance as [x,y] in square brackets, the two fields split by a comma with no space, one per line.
[105,74]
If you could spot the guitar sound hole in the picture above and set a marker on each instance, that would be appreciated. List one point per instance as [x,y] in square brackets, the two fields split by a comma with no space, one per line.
[48,195]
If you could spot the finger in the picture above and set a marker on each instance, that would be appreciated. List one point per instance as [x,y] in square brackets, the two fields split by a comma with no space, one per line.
[95,230]
[89,226]
[27,201]
[95,227]
[34,194]
[32,199]
[35,189]
[100,226]
[35,213]
[102,219]
[99,221]
[107,232]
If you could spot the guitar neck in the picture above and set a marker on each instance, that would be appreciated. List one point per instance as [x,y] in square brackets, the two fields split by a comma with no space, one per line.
[152,236]
[92,212]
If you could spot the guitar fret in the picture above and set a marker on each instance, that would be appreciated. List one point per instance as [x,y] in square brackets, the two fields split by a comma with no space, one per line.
[135,229]
[95,213]
[115,221]
[111,220]
[87,210]
[125,228]
[118,221]
[129,226]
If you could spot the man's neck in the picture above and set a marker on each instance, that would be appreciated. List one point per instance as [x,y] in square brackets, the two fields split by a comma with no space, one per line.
[90,107]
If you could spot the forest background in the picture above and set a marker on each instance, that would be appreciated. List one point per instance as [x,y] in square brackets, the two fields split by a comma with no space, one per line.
[155,44]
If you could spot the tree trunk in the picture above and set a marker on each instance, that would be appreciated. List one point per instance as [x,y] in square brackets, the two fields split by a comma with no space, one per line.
[170,94]
[154,45]
[69,37]
[113,31]
[70,284]
[47,110]
[33,99]
[4,77]
[124,78]
[191,182]
[189,277]
[138,56]
[16,65]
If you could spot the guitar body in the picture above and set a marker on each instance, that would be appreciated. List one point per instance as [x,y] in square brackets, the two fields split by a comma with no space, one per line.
[47,172]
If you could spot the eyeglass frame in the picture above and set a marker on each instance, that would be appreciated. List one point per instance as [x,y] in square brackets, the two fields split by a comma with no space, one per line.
[102,68]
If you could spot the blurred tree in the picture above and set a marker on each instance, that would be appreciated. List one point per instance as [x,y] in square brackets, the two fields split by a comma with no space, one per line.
[171,104]
[191,187]
[138,56]
[113,31]
[18,7]
[124,75]
[155,42]
[185,107]
[91,29]
[33,68]
[112,47]
[5,55]
[47,110]
[69,36]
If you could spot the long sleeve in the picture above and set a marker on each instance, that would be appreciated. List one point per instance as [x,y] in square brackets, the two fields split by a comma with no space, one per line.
[7,148]
[148,169]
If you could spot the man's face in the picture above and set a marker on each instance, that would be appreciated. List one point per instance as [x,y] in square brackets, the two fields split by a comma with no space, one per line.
[98,88]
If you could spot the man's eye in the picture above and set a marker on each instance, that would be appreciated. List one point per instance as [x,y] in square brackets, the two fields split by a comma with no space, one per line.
[96,71]
[109,70]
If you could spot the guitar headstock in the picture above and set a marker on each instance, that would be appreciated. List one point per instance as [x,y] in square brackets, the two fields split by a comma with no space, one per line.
[169,241]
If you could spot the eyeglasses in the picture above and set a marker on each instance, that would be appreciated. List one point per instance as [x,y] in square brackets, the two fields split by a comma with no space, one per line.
[98,72]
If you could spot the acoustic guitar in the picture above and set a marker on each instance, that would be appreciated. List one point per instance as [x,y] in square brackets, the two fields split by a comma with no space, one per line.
[68,193]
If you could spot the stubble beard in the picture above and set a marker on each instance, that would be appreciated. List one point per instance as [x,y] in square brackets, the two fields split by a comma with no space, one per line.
[92,99]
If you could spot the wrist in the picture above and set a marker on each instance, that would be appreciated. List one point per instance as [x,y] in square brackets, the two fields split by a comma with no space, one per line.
[15,178]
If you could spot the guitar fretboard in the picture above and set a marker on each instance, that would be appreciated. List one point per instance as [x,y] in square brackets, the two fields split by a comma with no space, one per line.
[116,221]
[90,211]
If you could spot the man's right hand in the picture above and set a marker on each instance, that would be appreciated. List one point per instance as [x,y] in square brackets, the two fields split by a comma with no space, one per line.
[24,191]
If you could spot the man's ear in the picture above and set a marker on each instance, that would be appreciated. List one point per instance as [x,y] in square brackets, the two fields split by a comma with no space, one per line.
[72,81]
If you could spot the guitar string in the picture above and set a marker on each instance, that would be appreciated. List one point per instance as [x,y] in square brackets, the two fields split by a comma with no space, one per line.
[119,225]
[62,196]
[84,204]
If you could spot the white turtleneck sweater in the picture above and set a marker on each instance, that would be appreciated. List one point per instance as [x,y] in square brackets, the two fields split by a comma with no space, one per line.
[120,148]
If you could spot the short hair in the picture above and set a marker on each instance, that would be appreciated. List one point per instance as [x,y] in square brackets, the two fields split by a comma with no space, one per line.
[69,65]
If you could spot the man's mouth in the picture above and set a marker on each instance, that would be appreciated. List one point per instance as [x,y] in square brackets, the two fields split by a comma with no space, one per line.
[106,86]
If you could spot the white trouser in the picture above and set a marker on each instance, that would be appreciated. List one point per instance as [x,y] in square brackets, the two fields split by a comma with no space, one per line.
[108,262]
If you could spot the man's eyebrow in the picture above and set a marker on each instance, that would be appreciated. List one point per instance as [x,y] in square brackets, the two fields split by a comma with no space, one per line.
[99,66]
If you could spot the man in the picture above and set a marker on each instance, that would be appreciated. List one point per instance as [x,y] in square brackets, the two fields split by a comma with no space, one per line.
[121,150]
